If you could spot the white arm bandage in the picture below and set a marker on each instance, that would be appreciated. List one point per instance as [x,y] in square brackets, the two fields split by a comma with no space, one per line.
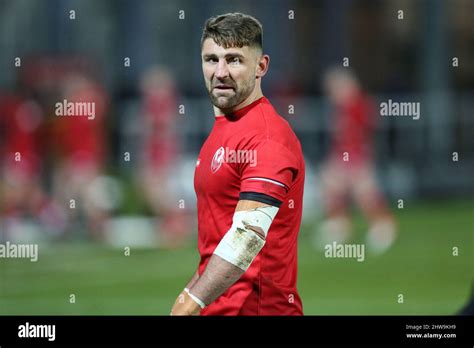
[240,244]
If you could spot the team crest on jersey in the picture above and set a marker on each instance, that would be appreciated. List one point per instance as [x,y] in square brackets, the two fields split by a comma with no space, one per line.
[217,159]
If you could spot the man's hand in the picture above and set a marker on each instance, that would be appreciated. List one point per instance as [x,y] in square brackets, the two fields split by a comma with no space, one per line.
[185,305]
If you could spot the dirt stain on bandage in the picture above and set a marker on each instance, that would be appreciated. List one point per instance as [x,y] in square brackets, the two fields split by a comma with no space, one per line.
[257,229]
[251,243]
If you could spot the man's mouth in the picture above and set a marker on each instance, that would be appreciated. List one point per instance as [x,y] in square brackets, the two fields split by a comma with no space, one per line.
[223,87]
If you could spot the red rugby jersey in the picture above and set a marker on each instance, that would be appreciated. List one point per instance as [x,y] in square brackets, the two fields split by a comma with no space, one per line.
[255,155]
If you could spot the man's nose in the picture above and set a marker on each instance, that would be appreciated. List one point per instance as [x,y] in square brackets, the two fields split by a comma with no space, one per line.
[222,70]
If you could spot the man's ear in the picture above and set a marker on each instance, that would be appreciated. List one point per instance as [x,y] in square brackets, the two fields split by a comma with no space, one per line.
[262,66]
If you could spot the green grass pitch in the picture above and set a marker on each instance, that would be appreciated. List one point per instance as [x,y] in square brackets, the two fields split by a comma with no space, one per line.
[421,267]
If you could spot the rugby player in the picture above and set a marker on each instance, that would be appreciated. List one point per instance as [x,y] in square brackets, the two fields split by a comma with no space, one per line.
[350,167]
[249,182]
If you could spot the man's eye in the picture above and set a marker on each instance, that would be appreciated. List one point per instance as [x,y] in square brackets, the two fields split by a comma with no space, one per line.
[235,60]
[211,60]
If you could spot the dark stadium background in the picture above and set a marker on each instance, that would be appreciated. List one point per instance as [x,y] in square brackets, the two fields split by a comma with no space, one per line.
[409,59]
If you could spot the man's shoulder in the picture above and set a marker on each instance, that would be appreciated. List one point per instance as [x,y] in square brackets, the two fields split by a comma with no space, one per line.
[266,121]
[278,129]
[264,126]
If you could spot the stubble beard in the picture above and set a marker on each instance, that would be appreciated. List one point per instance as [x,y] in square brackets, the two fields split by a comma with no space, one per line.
[224,102]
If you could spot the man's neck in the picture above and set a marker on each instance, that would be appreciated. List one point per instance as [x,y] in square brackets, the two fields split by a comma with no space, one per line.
[256,94]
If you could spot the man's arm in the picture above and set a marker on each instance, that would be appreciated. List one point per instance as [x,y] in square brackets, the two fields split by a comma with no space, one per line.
[220,274]
[193,280]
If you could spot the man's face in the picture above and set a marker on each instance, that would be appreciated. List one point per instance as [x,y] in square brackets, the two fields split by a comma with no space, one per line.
[229,73]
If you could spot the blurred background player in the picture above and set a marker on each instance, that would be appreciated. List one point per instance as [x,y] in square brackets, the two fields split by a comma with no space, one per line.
[79,144]
[161,155]
[349,169]
[20,181]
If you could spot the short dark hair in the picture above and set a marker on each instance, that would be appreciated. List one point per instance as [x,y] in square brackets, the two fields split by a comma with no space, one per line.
[233,30]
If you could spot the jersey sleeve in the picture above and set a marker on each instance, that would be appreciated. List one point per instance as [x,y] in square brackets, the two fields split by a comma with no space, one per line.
[272,172]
